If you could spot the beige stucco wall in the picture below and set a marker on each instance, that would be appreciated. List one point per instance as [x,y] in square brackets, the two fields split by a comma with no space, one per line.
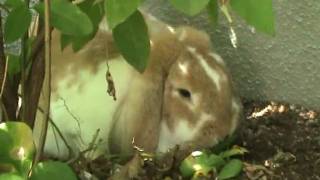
[281,68]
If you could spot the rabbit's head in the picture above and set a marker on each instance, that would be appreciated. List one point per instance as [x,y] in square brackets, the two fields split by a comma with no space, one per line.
[185,96]
[199,106]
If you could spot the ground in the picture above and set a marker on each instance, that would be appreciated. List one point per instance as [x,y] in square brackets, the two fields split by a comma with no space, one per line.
[283,143]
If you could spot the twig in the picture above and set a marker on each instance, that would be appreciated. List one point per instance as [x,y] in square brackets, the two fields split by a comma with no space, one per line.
[74,117]
[54,125]
[92,147]
[4,77]
[3,71]
[47,80]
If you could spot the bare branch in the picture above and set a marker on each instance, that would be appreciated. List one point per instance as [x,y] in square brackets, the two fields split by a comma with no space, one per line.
[47,80]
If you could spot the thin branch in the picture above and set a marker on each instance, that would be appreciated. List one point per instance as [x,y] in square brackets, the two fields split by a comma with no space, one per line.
[3,108]
[47,80]
[4,77]
[3,71]
[55,127]
[74,117]
[91,148]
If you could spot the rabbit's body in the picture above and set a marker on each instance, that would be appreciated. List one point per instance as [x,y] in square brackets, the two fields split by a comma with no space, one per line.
[185,95]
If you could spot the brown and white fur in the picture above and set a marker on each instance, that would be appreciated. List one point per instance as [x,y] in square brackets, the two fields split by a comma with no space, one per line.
[185,95]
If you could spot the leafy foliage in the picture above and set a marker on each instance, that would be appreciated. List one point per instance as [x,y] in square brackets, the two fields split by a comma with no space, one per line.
[131,37]
[14,30]
[10,176]
[95,12]
[201,163]
[231,169]
[68,18]
[117,11]
[17,152]
[52,170]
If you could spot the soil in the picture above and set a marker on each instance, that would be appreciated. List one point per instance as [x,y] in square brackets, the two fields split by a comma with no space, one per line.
[283,143]
[284,138]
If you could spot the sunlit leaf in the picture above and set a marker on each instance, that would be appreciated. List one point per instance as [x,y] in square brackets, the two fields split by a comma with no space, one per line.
[52,170]
[17,23]
[236,150]
[68,18]
[10,176]
[117,11]
[232,169]
[195,162]
[190,7]
[258,13]
[17,145]
[132,39]
[22,140]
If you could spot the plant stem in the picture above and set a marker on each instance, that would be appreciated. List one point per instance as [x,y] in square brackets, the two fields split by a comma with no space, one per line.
[47,81]
[3,71]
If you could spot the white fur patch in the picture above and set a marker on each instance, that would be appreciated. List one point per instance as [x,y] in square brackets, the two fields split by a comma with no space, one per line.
[151,43]
[217,58]
[182,133]
[183,67]
[171,29]
[183,35]
[212,74]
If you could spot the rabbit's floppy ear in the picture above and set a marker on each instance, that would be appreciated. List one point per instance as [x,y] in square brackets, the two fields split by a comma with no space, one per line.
[139,113]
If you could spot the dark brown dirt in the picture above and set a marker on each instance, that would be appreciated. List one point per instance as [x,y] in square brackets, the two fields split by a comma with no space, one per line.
[283,143]
[285,140]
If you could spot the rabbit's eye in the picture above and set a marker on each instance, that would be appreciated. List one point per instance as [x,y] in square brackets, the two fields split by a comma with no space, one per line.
[184,93]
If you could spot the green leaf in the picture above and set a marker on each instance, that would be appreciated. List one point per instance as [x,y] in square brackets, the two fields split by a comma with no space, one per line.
[68,18]
[77,42]
[230,170]
[17,23]
[95,12]
[190,7]
[197,161]
[65,40]
[6,146]
[52,170]
[213,11]
[13,3]
[215,161]
[117,11]
[10,176]
[132,39]
[236,150]
[20,150]
[257,13]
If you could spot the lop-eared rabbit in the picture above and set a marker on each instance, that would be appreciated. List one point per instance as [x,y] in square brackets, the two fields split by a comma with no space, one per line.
[184,96]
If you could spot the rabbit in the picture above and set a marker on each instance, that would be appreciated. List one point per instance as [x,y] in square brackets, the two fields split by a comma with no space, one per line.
[184,96]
